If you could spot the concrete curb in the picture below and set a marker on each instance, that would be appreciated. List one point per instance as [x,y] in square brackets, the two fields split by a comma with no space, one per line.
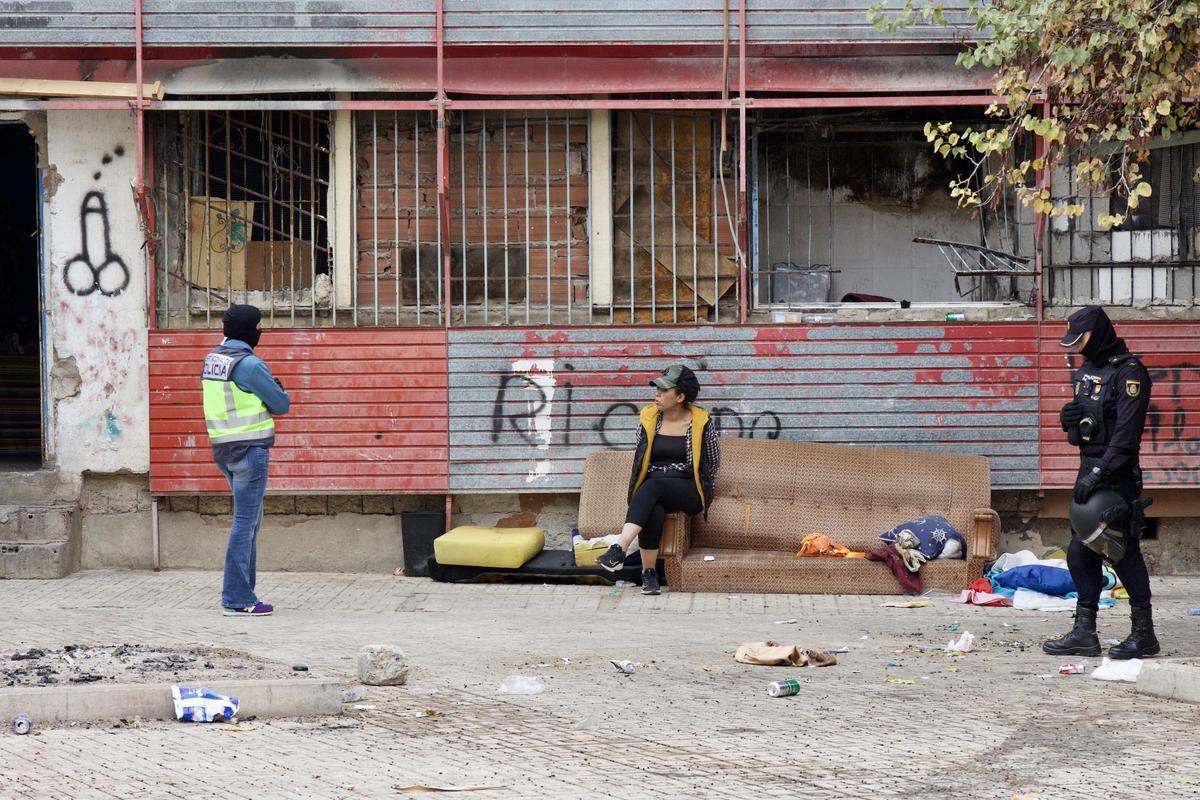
[287,697]
[1172,681]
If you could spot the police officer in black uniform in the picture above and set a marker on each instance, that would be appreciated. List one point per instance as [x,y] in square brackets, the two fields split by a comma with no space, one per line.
[1105,419]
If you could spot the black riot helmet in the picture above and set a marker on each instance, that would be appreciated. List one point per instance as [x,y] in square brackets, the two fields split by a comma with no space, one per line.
[1101,523]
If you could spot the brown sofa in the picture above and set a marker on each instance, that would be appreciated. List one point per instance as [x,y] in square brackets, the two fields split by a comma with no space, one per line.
[771,493]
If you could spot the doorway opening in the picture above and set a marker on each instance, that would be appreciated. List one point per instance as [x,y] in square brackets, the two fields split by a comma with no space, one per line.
[20,323]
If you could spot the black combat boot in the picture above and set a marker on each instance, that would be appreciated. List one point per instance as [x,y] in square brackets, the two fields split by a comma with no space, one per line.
[1141,641]
[1081,641]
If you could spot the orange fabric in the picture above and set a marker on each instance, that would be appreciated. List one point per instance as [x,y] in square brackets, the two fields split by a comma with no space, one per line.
[818,544]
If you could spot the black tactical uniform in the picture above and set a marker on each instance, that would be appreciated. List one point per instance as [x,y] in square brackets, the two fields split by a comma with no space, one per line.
[1105,419]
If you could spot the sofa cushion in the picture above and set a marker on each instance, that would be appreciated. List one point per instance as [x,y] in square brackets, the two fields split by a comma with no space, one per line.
[782,572]
[473,546]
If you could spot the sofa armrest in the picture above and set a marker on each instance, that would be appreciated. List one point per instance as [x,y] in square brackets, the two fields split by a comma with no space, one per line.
[985,534]
[677,537]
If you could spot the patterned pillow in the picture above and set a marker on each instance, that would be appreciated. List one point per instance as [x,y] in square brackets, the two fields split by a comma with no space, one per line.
[937,537]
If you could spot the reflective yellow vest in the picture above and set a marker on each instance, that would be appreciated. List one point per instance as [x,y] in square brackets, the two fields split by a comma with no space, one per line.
[231,414]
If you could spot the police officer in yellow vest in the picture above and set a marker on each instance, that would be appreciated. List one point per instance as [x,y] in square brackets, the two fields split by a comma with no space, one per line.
[241,397]
[675,465]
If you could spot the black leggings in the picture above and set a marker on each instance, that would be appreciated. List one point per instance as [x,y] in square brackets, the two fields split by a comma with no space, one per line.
[656,498]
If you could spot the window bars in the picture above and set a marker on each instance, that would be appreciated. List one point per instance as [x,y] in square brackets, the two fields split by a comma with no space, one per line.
[1151,259]
[242,202]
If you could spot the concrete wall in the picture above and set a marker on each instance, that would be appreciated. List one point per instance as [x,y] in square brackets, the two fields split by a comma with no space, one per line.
[95,296]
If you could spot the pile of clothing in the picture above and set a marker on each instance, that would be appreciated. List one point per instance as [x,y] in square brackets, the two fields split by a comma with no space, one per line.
[905,548]
[1022,580]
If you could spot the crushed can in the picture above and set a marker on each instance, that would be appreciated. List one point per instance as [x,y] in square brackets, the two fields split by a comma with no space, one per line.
[785,688]
[21,724]
[1072,669]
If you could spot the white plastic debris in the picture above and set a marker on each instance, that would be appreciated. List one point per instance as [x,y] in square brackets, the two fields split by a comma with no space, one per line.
[628,667]
[1110,670]
[521,684]
[710,558]
[962,644]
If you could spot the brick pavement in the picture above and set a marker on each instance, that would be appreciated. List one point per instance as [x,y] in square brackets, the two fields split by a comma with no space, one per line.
[692,724]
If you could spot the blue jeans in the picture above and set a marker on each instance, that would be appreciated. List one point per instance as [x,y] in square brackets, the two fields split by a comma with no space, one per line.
[248,480]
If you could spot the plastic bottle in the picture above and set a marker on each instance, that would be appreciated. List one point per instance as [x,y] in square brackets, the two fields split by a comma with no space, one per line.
[956,316]
[785,688]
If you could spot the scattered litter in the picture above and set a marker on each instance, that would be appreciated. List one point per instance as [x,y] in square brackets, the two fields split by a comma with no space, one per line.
[299,668]
[521,684]
[565,660]
[784,688]
[203,705]
[132,722]
[952,628]
[842,649]
[428,712]
[21,724]
[785,621]
[1072,669]
[419,788]
[706,668]
[962,644]
[364,707]
[900,650]
[628,667]
[775,654]
[901,681]
[354,694]
[68,659]
[710,558]
[543,665]
[237,728]
[924,677]
[1194,612]
[891,663]
[1118,670]
[951,669]
[863,638]
[905,604]
[624,584]
[398,572]
[1112,641]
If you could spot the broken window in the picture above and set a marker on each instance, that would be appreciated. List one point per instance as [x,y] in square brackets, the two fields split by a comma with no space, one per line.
[856,208]
[243,201]
[1151,258]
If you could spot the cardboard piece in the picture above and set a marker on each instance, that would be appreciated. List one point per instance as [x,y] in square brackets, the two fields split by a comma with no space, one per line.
[218,232]
[278,265]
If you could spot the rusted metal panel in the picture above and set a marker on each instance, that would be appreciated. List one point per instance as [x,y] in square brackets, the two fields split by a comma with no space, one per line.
[528,405]
[1170,454]
[368,413]
[334,23]
[672,21]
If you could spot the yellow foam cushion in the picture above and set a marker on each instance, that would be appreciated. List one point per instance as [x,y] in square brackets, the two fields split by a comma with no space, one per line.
[473,546]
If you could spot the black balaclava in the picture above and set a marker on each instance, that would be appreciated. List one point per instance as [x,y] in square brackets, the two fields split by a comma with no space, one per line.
[1104,342]
[241,323]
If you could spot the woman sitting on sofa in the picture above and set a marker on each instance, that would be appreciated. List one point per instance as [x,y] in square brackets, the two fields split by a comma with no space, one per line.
[674,466]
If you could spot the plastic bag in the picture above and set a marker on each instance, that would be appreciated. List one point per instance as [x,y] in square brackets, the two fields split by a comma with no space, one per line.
[521,684]
[963,644]
[203,705]
[1110,670]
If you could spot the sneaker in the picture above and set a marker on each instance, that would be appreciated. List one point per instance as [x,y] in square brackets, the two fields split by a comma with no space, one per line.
[256,610]
[613,558]
[650,582]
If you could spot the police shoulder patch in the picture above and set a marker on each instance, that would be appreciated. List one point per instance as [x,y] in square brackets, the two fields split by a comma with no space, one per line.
[1133,388]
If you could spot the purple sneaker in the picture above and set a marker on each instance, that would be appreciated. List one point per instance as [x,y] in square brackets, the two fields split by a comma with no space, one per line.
[256,610]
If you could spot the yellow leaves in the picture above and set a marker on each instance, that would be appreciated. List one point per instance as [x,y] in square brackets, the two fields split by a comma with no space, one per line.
[1196,175]
[1108,221]
[1143,189]
[1163,108]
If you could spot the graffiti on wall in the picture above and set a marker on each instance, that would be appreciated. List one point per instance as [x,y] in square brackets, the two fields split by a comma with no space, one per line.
[96,268]
[540,409]
[1170,423]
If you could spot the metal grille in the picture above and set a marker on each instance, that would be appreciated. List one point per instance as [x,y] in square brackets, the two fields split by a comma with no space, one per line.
[674,220]
[242,199]
[1151,259]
